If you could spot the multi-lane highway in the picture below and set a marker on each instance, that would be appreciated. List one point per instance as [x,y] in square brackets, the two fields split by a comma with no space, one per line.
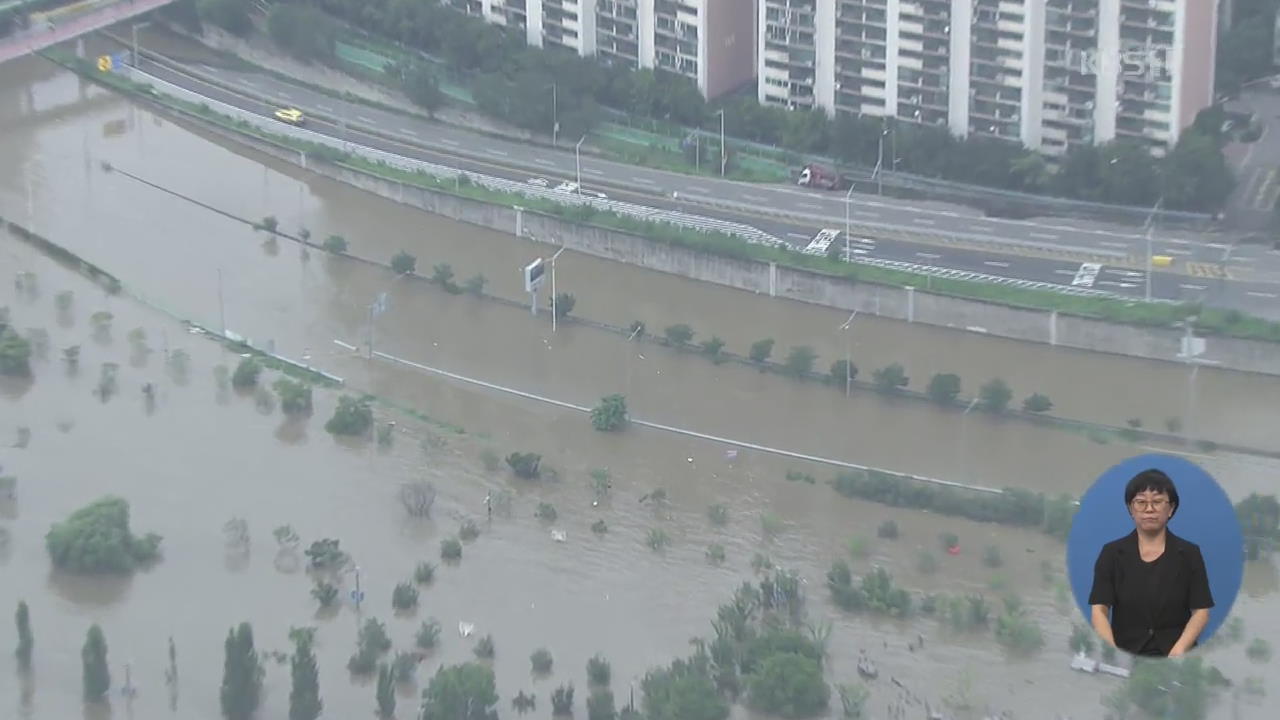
[1207,268]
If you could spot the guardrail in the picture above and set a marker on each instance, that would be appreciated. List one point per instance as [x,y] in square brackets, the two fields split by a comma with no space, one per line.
[705,224]
[400,162]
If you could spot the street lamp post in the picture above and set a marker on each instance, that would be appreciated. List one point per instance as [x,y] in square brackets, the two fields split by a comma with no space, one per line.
[880,163]
[724,157]
[961,459]
[135,40]
[1151,221]
[848,354]
[554,314]
[848,199]
[555,115]
[577,161]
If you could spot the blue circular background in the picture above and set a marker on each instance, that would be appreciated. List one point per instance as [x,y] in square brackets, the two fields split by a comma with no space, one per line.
[1205,517]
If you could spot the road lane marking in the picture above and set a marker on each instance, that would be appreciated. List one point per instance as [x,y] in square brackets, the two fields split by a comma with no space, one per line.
[1112,244]
[1060,271]
[1177,251]
[325,108]
[695,188]
[1178,241]
[754,198]
[499,153]
[929,256]
[1262,294]
[1185,286]
[985,228]
[362,118]
[1217,246]
[408,132]
[643,181]
[925,221]
[801,236]
[995,263]
[544,162]
[1047,236]
[867,213]
[588,171]
[447,141]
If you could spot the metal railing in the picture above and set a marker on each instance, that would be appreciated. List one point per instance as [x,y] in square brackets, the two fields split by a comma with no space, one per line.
[443,172]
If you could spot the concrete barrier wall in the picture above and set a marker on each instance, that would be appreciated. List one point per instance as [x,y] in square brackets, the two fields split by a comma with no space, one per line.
[797,284]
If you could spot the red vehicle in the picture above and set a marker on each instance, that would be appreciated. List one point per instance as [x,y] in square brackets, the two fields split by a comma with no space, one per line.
[818,176]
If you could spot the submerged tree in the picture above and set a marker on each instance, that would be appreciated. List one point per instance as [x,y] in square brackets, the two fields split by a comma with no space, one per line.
[611,414]
[93,658]
[353,417]
[242,675]
[304,694]
[386,692]
[97,538]
[25,640]
[461,692]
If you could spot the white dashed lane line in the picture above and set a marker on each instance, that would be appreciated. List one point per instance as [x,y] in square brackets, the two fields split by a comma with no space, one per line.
[995,263]
[544,162]
[928,256]
[1193,287]
[1262,294]
[1046,236]
[362,118]
[447,141]
[925,221]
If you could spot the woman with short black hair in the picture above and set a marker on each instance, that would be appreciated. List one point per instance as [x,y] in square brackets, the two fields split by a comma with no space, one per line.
[1150,591]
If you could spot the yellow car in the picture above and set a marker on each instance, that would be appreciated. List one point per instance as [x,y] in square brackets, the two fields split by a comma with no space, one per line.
[293,116]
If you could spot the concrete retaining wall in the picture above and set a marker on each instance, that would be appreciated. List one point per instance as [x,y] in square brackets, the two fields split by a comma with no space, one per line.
[798,284]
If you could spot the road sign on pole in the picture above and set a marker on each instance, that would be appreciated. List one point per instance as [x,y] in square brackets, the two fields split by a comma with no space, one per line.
[104,63]
[533,274]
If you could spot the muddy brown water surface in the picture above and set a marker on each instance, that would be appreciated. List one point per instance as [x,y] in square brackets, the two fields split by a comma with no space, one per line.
[199,459]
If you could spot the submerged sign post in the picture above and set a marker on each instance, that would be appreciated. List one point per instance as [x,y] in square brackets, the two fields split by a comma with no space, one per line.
[533,275]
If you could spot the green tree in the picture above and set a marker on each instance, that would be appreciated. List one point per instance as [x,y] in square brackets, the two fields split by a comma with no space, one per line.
[943,388]
[402,263]
[684,690]
[386,692]
[461,692]
[22,618]
[302,31]
[423,89]
[678,334]
[304,693]
[800,360]
[599,672]
[853,700]
[761,350]
[841,370]
[890,377]
[1196,176]
[600,705]
[97,539]
[335,244]
[541,661]
[611,414]
[246,374]
[295,396]
[713,347]
[525,465]
[93,658]
[1259,516]
[789,685]
[1037,403]
[565,303]
[353,417]
[15,353]
[475,284]
[995,395]
[230,15]
[1163,689]
[1081,640]
[242,675]
[1018,631]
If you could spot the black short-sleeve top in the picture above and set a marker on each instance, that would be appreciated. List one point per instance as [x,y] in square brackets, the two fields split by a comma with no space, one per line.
[1150,602]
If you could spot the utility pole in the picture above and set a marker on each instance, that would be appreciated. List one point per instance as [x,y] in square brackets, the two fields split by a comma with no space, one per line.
[555,116]
[554,317]
[577,161]
[848,198]
[724,157]
[848,354]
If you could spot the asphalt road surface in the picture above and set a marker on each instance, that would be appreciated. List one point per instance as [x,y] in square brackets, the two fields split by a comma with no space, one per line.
[1215,272]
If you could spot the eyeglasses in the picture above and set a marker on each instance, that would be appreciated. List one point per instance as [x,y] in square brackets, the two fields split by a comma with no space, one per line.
[1149,504]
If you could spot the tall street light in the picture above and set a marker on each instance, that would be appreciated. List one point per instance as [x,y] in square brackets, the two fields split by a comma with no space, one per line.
[136,27]
[848,199]
[880,162]
[554,313]
[848,354]
[1151,222]
[577,161]
[724,157]
[555,115]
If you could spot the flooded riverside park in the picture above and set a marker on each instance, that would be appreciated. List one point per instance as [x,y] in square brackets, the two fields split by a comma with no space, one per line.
[195,454]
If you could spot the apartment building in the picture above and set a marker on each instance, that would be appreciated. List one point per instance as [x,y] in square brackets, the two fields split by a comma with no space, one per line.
[709,41]
[1048,73]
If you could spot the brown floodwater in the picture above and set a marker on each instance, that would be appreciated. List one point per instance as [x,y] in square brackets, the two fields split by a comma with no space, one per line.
[199,459]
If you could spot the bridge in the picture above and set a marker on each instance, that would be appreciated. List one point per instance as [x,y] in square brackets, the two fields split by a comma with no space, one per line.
[70,22]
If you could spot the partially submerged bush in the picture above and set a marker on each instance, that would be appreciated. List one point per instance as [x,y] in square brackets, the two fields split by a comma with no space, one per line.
[97,539]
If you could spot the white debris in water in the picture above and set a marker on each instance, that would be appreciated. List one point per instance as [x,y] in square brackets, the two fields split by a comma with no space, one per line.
[559,535]
[465,628]
[690,459]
